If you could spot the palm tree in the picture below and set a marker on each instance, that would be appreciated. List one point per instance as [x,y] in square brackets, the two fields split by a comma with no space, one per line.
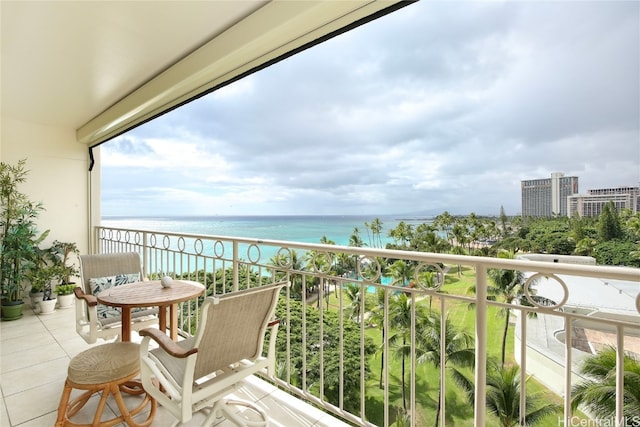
[458,250]
[492,231]
[345,264]
[508,286]
[291,259]
[444,223]
[321,261]
[400,315]
[355,240]
[460,233]
[368,269]
[376,231]
[401,272]
[597,393]
[427,277]
[368,228]
[503,397]
[402,233]
[458,348]
[427,240]
[377,317]
[352,291]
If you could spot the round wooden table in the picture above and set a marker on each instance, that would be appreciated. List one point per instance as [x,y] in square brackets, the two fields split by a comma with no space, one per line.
[151,294]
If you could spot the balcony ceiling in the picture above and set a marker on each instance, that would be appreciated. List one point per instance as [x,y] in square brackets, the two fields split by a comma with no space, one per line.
[64,62]
[102,67]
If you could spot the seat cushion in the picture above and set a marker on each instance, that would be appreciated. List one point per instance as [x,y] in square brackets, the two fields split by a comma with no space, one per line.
[99,284]
[105,363]
[175,366]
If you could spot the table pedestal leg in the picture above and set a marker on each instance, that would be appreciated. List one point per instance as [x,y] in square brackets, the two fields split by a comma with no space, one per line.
[126,324]
[162,318]
[173,313]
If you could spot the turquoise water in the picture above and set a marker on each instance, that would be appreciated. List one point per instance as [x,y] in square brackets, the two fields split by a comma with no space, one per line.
[306,229]
[384,280]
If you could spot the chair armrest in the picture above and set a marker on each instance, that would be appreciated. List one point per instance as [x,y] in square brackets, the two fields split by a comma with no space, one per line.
[271,349]
[90,299]
[166,343]
[273,323]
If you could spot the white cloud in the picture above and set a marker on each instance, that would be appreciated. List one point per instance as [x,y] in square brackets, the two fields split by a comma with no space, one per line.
[441,105]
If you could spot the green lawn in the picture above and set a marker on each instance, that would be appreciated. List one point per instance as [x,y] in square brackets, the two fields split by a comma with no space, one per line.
[458,410]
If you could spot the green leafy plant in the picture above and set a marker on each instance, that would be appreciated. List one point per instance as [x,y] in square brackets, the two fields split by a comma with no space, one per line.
[42,277]
[52,266]
[46,269]
[36,287]
[19,237]
[65,289]
[64,252]
[596,393]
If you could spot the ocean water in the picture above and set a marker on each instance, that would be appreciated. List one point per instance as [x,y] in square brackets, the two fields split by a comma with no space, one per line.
[297,228]
[304,229]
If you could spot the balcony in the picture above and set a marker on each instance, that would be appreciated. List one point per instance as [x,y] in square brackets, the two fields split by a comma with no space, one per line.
[32,383]
[587,308]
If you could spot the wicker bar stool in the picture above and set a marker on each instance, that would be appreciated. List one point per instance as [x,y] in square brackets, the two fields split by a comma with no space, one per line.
[108,369]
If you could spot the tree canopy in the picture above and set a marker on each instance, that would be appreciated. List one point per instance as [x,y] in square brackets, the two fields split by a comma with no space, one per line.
[330,343]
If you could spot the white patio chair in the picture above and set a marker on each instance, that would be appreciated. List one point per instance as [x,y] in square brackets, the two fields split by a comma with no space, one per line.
[94,320]
[197,373]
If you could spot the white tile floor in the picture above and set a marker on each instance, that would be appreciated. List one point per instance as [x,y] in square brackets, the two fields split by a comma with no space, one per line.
[35,352]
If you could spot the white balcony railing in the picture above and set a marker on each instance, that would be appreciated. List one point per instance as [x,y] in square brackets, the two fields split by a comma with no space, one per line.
[593,306]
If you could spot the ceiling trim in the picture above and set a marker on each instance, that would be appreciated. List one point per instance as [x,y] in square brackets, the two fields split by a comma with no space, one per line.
[275,31]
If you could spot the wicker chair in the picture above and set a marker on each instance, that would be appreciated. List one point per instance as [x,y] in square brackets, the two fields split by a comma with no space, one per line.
[89,324]
[197,373]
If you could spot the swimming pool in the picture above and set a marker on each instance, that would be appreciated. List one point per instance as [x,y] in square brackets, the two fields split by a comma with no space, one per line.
[371,289]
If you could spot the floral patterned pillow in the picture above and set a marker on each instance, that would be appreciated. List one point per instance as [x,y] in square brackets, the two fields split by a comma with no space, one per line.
[99,284]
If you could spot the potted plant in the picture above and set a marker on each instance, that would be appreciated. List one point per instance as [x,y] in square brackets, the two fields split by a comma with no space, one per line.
[19,238]
[65,295]
[66,253]
[41,276]
[36,294]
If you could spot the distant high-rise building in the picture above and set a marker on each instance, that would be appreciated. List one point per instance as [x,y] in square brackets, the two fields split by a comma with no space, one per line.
[548,197]
[591,204]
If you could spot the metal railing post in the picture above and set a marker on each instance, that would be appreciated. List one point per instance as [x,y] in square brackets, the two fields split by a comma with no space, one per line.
[236,266]
[620,417]
[523,367]
[145,254]
[568,361]
[480,399]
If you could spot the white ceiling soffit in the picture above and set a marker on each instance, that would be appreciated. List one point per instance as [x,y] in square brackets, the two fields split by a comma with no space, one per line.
[64,62]
[275,29]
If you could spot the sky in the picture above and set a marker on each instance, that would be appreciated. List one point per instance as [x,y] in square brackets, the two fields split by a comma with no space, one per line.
[440,106]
